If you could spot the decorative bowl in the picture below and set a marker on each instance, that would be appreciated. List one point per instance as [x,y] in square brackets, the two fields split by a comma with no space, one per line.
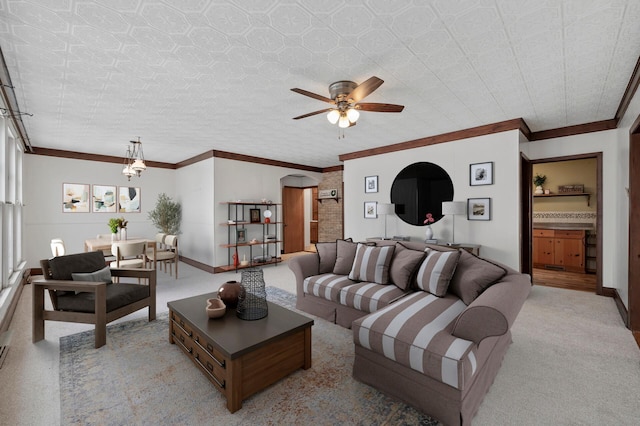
[215,308]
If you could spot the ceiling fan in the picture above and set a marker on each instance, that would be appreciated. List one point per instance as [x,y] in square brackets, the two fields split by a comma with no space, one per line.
[346,96]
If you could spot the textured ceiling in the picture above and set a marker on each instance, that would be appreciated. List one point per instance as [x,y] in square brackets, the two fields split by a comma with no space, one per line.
[188,76]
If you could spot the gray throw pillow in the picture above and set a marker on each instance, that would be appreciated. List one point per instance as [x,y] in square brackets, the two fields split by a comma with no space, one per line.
[327,256]
[101,276]
[473,276]
[345,253]
[404,265]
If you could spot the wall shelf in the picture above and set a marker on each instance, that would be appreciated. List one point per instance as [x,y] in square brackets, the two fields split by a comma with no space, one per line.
[570,194]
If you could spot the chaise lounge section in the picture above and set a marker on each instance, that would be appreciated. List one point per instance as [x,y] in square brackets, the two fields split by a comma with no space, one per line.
[431,324]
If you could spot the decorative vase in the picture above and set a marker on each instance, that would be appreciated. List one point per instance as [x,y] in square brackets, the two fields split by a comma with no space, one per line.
[123,234]
[229,293]
[428,233]
[114,237]
[252,301]
[539,190]
[236,261]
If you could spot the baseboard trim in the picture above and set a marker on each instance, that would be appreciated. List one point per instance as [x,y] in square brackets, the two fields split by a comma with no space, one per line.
[620,305]
[202,266]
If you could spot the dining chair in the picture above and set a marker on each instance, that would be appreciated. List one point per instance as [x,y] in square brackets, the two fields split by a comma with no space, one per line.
[129,254]
[57,247]
[107,252]
[167,254]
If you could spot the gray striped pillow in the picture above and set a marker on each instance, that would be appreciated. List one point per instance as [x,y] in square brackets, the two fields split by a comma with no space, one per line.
[371,264]
[436,271]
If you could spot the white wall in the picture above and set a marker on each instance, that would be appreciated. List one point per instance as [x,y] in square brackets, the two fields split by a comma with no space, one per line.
[194,192]
[44,219]
[240,180]
[499,237]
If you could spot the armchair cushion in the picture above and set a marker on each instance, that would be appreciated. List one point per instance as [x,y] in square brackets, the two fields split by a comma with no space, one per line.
[62,267]
[118,295]
[100,276]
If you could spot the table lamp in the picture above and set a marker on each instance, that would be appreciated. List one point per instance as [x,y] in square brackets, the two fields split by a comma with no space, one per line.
[454,208]
[386,209]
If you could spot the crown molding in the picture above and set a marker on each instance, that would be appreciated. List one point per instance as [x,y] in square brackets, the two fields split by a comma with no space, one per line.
[93,157]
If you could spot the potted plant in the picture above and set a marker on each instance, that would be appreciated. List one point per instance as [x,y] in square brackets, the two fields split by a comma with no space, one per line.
[114,224]
[538,181]
[167,215]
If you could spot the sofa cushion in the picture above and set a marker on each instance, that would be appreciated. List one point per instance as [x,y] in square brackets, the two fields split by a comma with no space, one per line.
[436,271]
[369,297]
[415,331]
[326,256]
[371,264]
[474,275]
[404,265]
[326,286]
[345,253]
[100,276]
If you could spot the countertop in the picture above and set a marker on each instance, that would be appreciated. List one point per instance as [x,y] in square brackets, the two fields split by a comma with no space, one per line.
[563,226]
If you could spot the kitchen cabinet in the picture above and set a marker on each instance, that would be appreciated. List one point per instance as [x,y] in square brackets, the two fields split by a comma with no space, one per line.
[559,249]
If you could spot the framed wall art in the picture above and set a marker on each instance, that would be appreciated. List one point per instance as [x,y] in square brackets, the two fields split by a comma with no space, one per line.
[128,199]
[481,174]
[104,199]
[254,215]
[479,208]
[241,235]
[75,197]
[371,184]
[370,210]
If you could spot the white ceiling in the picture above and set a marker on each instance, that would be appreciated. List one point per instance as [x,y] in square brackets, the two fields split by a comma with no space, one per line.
[188,76]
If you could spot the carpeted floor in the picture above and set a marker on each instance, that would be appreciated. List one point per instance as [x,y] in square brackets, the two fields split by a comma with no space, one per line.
[139,378]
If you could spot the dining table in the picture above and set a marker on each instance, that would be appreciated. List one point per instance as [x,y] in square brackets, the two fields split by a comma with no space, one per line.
[102,244]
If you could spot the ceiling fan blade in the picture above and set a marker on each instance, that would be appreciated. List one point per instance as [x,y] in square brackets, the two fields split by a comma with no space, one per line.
[312,113]
[313,95]
[365,89]
[374,107]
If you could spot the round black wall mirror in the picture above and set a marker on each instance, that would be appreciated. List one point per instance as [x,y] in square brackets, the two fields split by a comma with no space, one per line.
[420,188]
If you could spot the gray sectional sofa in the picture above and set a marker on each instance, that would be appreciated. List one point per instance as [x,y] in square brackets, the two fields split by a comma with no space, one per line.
[431,324]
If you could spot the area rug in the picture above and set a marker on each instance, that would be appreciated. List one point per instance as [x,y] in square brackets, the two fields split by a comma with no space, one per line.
[139,378]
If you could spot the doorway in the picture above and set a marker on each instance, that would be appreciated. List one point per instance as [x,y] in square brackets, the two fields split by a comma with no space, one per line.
[566,243]
[293,219]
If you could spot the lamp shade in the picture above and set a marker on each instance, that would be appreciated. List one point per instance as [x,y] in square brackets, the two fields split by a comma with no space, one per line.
[454,207]
[386,208]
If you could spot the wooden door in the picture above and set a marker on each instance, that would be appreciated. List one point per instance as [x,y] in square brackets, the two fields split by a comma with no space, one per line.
[293,219]
[542,251]
[633,319]
[573,259]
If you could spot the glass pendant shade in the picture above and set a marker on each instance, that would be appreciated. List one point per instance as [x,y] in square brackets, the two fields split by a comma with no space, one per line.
[333,116]
[343,122]
[353,115]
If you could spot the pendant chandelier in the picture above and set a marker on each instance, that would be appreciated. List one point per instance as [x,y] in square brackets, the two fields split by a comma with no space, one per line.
[134,160]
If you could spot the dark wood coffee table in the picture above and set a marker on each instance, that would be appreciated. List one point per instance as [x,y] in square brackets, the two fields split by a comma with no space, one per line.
[240,357]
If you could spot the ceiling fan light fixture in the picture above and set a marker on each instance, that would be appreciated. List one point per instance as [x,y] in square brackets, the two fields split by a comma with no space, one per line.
[343,122]
[333,116]
[353,115]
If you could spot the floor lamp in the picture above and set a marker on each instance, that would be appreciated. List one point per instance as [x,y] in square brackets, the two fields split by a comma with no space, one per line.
[454,208]
[386,209]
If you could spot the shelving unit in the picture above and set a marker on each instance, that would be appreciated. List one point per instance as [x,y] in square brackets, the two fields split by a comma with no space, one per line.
[569,194]
[238,214]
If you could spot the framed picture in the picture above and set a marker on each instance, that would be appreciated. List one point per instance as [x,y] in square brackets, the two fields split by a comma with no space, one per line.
[75,198]
[371,184]
[104,199]
[370,210]
[479,208]
[254,215]
[481,174]
[241,235]
[128,199]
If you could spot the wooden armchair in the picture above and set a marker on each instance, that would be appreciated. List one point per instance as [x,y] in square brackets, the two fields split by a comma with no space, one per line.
[91,300]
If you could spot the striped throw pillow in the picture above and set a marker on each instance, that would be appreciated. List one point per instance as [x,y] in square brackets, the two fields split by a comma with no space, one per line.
[371,264]
[436,271]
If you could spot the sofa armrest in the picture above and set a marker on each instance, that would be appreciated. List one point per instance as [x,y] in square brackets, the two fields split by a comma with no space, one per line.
[304,266]
[495,310]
